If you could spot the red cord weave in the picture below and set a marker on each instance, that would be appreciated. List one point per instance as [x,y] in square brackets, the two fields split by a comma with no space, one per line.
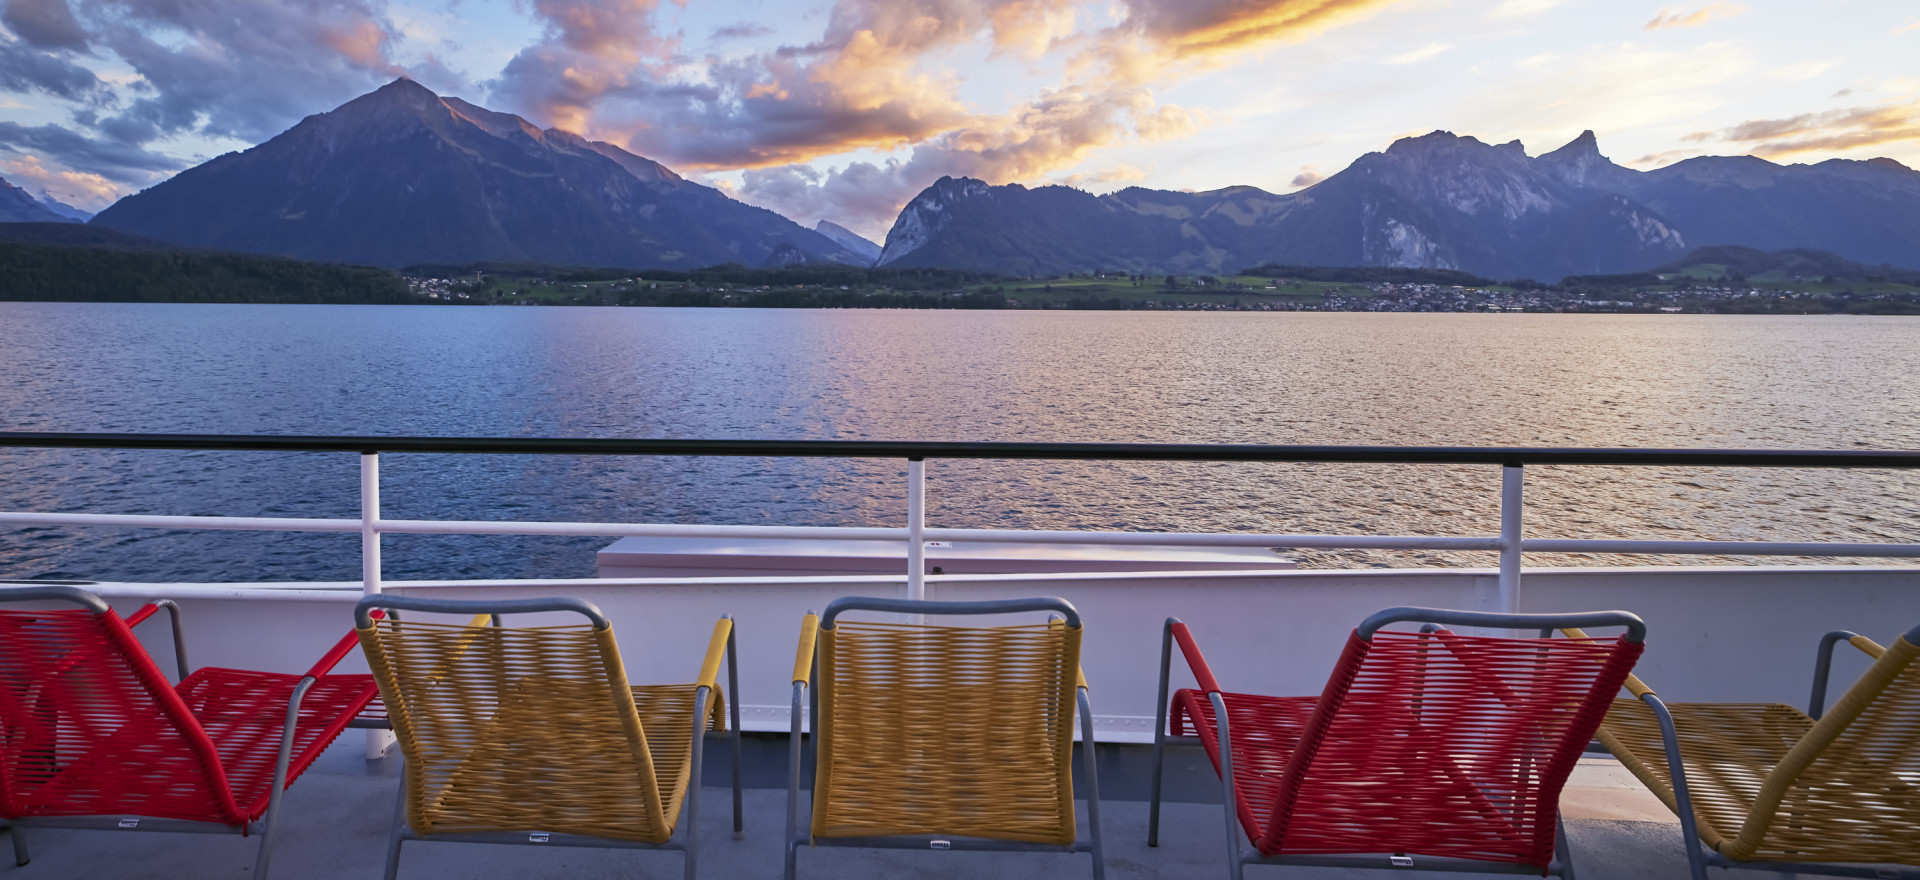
[1441,745]
[89,725]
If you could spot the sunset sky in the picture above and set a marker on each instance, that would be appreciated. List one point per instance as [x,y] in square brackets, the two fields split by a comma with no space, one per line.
[844,110]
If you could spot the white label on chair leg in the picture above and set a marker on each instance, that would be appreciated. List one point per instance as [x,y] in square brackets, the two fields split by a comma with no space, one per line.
[1400,861]
[940,844]
[129,823]
[538,837]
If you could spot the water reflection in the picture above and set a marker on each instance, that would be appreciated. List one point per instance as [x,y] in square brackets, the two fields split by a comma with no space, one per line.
[1824,382]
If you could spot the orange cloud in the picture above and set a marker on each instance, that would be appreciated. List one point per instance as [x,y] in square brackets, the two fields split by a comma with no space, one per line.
[1669,18]
[1831,131]
[77,188]
[1188,27]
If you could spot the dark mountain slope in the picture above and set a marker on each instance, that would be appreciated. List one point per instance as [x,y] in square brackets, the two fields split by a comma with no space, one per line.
[401,176]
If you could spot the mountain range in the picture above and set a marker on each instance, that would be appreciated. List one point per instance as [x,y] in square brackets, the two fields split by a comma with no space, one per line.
[19,206]
[402,176]
[1434,201]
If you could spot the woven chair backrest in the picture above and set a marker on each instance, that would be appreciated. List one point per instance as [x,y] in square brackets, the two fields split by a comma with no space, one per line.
[1851,785]
[79,693]
[515,728]
[1445,744]
[948,730]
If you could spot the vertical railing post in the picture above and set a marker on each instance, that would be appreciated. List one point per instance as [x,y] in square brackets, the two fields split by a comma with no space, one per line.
[378,741]
[916,528]
[1511,482]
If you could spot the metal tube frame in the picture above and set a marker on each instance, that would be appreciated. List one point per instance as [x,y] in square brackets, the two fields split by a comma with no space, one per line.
[805,691]
[686,837]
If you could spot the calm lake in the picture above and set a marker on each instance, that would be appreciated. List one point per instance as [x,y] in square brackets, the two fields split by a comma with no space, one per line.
[1335,378]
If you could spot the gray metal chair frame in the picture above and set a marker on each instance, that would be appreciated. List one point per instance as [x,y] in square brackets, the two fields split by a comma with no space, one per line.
[804,698]
[1699,858]
[268,824]
[1239,855]
[686,838]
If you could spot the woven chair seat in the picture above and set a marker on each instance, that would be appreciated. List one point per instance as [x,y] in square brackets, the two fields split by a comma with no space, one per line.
[539,740]
[1728,750]
[243,712]
[1264,730]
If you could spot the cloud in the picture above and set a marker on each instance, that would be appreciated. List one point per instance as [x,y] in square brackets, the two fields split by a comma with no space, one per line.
[741,30]
[1307,177]
[1830,131]
[25,69]
[1670,18]
[44,24]
[1421,54]
[1913,25]
[1186,27]
[89,192]
[115,161]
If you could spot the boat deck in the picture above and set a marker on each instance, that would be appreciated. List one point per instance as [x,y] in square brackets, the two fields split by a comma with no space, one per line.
[339,814]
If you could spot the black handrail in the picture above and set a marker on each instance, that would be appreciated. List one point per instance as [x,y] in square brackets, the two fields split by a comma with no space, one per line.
[1501,455]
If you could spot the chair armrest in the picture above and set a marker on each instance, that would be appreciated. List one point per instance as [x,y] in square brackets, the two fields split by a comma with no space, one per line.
[803,656]
[340,650]
[140,617]
[1188,649]
[179,635]
[1633,684]
[1823,665]
[716,650]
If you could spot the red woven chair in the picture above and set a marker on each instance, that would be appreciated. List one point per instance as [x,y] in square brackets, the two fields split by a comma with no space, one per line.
[91,729]
[1427,749]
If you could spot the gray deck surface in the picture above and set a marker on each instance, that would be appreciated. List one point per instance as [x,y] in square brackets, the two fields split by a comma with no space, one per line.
[339,814]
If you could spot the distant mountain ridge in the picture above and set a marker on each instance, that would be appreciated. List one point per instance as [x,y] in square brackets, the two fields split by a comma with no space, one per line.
[402,176]
[1435,201]
[17,206]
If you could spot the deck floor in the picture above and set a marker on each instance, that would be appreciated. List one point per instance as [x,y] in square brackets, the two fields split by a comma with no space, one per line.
[339,814]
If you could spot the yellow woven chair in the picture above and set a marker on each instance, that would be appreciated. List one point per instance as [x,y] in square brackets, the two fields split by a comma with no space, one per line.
[1768,787]
[943,737]
[533,735]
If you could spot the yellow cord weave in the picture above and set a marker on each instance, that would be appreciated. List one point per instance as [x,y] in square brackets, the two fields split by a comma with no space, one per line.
[946,730]
[1770,783]
[508,729]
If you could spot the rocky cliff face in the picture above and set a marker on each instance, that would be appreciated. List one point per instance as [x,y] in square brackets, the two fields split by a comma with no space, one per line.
[847,238]
[403,176]
[1434,201]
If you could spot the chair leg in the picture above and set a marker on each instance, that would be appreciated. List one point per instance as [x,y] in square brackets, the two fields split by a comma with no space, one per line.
[794,756]
[278,792]
[1229,802]
[1088,760]
[691,819]
[1683,800]
[20,856]
[733,687]
[1564,846]
[1159,735]
[399,826]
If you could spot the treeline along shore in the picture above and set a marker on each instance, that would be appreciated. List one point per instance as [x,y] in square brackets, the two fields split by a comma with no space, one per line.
[71,263]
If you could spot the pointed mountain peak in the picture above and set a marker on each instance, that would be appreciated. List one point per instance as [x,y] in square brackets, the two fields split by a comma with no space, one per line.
[1583,147]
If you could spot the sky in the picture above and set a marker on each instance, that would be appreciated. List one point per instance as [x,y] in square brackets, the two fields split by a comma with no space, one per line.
[845,109]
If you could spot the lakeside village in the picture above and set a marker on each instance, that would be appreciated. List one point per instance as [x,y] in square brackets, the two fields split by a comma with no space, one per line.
[1113,291]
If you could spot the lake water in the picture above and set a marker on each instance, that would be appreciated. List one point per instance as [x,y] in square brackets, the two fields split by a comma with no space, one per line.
[1403,379]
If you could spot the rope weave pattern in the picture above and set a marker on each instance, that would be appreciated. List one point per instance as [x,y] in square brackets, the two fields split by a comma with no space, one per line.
[1768,782]
[946,730]
[1441,744]
[508,729]
[89,725]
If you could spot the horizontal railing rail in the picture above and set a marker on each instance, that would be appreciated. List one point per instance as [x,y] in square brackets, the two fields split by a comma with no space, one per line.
[1496,455]
[1509,543]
